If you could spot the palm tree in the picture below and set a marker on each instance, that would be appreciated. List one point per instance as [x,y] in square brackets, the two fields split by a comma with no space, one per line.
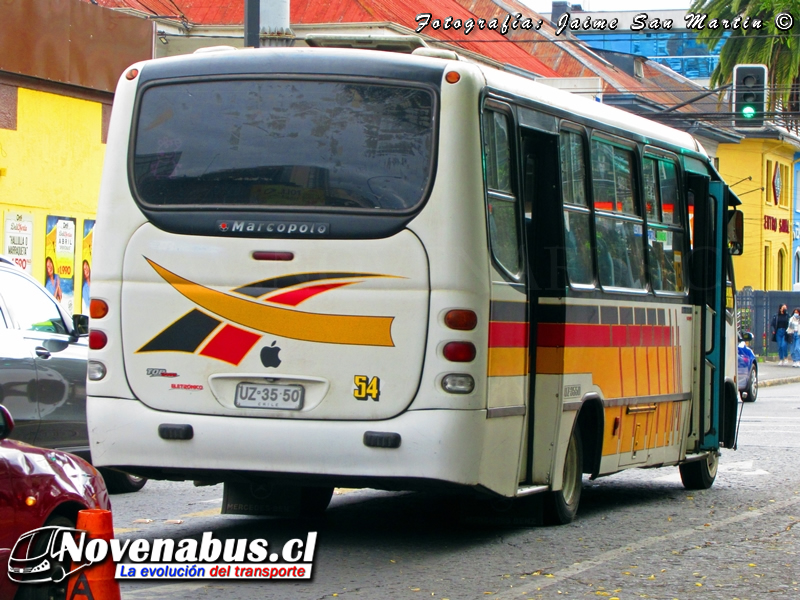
[769,45]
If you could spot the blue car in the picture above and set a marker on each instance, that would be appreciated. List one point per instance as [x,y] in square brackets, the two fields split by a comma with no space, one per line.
[747,371]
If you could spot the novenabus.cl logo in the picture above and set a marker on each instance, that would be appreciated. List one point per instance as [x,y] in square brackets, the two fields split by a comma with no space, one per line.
[38,555]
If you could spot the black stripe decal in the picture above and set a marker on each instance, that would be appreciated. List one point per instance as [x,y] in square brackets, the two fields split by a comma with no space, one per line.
[609,315]
[184,335]
[583,314]
[267,286]
[515,312]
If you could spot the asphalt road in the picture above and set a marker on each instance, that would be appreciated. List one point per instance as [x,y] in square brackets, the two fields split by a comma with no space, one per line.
[639,534]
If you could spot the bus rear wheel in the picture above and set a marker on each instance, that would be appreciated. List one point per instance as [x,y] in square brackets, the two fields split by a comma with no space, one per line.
[700,474]
[560,507]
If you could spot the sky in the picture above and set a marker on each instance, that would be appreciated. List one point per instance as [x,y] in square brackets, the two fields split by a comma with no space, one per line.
[546,5]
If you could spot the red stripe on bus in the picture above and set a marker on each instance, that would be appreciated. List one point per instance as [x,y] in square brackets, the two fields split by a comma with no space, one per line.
[295,297]
[508,335]
[561,335]
[231,344]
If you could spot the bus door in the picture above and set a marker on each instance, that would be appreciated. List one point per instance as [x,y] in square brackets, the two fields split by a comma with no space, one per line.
[507,356]
[709,284]
[539,169]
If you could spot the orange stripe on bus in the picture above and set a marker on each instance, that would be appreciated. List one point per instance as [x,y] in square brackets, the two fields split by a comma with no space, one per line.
[297,325]
[504,362]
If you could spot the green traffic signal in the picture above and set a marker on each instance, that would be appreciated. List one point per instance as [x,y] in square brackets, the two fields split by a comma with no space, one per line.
[749,95]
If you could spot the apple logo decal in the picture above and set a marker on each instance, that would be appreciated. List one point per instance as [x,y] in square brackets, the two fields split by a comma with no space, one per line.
[269,355]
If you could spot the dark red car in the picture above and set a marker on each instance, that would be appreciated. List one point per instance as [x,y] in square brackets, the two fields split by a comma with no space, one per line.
[40,487]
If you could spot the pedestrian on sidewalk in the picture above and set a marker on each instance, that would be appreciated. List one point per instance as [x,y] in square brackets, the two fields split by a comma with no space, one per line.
[794,330]
[779,324]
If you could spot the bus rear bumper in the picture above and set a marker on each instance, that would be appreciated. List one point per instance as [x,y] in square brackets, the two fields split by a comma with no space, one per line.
[435,445]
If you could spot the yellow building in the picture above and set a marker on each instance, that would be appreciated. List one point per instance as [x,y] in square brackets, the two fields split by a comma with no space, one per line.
[760,170]
[56,91]
[51,157]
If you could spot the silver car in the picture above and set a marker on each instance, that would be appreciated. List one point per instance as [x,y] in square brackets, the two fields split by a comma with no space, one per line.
[43,357]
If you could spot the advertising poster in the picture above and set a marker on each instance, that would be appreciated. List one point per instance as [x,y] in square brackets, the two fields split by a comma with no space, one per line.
[86,264]
[18,239]
[59,260]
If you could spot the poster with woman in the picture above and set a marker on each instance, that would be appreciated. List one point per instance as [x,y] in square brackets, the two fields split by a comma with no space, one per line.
[59,260]
[86,265]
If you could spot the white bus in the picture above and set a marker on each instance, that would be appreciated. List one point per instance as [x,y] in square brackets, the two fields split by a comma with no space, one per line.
[331,267]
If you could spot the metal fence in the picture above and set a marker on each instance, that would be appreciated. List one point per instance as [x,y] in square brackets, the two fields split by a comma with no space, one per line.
[755,311]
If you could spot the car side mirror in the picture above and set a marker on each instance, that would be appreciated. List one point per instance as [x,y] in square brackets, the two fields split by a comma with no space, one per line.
[6,423]
[747,336]
[81,324]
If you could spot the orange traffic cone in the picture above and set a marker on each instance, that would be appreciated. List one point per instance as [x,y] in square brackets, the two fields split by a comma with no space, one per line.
[97,581]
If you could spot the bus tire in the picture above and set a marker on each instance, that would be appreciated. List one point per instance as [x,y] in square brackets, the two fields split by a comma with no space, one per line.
[560,507]
[118,482]
[700,474]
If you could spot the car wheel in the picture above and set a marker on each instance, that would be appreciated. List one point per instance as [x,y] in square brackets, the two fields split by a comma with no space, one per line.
[118,482]
[51,590]
[751,391]
[561,507]
[700,474]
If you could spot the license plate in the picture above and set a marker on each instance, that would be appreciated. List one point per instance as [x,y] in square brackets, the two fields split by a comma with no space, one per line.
[269,395]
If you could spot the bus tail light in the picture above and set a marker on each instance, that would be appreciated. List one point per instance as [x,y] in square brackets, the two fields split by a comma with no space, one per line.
[97,309]
[97,339]
[458,383]
[459,351]
[461,320]
[96,370]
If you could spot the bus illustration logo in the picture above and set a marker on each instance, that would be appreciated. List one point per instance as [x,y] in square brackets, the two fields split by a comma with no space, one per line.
[38,556]
[264,307]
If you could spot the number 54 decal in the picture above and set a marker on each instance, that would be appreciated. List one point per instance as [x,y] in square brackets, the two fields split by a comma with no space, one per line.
[366,387]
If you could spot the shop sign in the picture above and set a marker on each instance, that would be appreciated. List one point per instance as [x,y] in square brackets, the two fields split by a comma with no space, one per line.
[775,224]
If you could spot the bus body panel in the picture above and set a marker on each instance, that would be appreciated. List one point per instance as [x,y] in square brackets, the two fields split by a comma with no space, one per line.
[177,351]
[338,323]
[631,356]
[439,445]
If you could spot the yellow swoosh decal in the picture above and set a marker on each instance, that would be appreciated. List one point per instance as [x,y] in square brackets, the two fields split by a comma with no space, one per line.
[294,324]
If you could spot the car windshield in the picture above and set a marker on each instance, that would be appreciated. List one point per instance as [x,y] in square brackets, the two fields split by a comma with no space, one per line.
[284,143]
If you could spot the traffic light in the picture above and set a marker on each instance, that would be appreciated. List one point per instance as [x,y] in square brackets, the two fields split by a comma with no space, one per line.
[749,95]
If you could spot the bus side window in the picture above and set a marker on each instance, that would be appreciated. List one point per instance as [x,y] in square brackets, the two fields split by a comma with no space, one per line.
[501,202]
[665,237]
[620,252]
[577,232]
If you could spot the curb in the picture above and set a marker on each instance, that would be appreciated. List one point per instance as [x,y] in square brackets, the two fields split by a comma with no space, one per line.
[781,381]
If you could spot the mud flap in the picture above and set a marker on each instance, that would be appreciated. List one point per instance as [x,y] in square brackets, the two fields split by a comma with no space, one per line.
[259,498]
[730,402]
[266,498]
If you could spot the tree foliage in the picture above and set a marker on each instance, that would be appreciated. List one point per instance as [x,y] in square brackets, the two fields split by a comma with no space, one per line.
[768,45]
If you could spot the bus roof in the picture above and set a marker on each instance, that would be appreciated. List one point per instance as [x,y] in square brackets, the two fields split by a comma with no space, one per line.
[589,109]
[229,60]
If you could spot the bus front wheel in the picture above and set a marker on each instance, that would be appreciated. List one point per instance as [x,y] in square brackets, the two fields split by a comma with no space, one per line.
[560,507]
[700,474]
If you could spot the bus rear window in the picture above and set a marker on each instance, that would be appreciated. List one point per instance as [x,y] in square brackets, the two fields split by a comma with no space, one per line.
[283,143]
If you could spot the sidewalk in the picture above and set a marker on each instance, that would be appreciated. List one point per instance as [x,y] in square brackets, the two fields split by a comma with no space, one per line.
[769,373]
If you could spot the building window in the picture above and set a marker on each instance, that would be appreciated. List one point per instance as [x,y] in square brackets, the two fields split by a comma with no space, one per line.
[781,262]
[766,267]
[768,196]
[797,266]
[783,192]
